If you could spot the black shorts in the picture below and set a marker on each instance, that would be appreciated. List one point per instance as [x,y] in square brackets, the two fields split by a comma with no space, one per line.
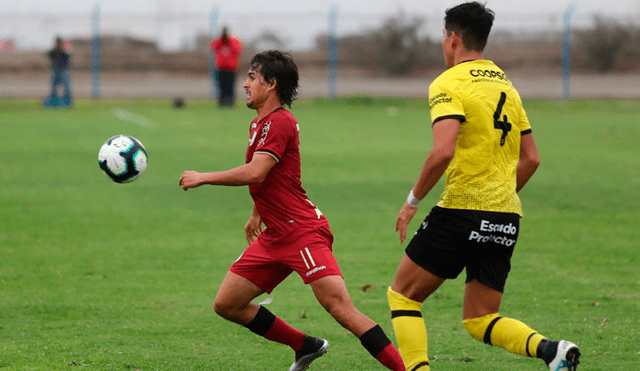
[482,241]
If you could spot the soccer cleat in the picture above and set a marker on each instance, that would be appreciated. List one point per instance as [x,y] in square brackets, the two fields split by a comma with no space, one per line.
[567,357]
[312,348]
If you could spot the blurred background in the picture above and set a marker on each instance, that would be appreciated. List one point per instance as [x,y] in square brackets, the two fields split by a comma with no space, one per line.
[160,48]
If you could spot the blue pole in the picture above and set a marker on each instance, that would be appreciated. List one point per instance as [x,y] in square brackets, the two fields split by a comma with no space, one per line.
[213,25]
[566,52]
[95,54]
[332,46]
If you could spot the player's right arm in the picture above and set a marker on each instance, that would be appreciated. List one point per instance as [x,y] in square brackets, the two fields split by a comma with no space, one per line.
[253,228]
[252,173]
[529,160]
[445,136]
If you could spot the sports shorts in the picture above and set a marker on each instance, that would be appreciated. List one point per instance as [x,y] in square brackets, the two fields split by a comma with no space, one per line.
[309,254]
[450,240]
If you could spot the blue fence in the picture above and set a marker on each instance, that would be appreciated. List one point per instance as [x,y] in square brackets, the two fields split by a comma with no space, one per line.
[176,31]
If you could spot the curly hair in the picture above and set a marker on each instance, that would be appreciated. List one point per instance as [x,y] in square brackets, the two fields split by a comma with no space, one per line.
[274,64]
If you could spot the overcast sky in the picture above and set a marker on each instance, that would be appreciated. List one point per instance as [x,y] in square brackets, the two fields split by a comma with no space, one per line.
[33,23]
[308,5]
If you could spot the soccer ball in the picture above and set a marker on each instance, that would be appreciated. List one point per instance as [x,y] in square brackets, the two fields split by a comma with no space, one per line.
[178,102]
[123,158]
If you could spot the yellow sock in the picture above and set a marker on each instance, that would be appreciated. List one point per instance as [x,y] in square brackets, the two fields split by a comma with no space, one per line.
[506,333]
[410,331]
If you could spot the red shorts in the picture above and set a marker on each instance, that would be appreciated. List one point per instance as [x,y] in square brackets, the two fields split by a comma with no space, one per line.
[310,255]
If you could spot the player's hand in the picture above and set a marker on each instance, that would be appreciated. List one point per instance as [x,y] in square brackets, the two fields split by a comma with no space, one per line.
[190,179]
[253,228]
[404,217]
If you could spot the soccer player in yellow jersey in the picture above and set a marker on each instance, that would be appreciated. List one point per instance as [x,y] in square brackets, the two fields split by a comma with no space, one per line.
[482,141]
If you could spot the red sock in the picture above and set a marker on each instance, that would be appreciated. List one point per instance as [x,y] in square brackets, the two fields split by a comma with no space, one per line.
[267,325]
[380,347]
[390,357]
[282,333]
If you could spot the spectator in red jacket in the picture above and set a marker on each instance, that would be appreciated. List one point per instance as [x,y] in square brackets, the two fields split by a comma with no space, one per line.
[227,50]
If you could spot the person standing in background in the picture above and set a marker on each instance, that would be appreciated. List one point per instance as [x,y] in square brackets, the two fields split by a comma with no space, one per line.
[227,50]
[59,75]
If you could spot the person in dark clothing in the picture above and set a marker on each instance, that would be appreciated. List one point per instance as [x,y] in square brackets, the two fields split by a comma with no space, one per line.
[59,75]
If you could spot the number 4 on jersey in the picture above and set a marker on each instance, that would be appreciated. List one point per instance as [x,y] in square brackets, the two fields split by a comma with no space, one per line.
[503,125]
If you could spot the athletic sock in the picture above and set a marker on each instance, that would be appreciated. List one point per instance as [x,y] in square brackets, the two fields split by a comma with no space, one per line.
[506,333]
[267,325]
[376,342]
[410,331]
[547,350]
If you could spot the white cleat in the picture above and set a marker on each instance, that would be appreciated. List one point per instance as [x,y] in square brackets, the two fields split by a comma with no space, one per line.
[567,357]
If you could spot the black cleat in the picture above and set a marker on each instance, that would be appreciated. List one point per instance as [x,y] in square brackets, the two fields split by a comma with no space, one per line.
[312,348]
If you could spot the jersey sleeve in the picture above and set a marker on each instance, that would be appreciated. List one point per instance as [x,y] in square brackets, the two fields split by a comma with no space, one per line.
[275,137]
[444,104]
[523,123]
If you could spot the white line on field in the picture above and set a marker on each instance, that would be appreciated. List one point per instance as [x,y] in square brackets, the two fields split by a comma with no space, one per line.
[135,118]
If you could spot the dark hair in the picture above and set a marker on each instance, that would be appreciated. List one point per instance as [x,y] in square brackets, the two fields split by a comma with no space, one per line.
[274,64]
[472,21]
[59,45]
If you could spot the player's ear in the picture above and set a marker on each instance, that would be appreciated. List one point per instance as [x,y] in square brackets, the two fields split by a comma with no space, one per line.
[455,38]
[271,85]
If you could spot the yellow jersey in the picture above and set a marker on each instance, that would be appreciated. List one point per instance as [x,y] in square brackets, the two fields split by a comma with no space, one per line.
[482,173]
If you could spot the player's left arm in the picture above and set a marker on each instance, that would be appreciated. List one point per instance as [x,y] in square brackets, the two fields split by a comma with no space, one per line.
[253,228]
[529,160]
[251,173]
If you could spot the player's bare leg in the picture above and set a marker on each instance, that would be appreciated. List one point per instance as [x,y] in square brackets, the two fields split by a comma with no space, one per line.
[480,300]
[332,294]
[414,282]
[233,302]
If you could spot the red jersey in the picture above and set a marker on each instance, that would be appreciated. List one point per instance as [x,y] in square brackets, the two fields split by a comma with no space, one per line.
[280,199]
[227,52]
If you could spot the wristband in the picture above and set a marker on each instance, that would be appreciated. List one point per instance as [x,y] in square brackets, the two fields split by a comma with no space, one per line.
[412,200]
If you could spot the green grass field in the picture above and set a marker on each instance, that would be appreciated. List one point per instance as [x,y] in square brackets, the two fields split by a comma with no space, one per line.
[102,276]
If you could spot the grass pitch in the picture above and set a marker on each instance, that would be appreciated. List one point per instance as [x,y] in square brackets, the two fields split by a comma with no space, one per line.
[103,276]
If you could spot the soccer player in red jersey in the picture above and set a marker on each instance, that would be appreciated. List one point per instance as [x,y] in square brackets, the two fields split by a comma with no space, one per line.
[297,236]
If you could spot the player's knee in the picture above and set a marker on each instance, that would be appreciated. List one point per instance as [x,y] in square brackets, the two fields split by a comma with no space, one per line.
[225,310]
[219,308]
[479,328]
